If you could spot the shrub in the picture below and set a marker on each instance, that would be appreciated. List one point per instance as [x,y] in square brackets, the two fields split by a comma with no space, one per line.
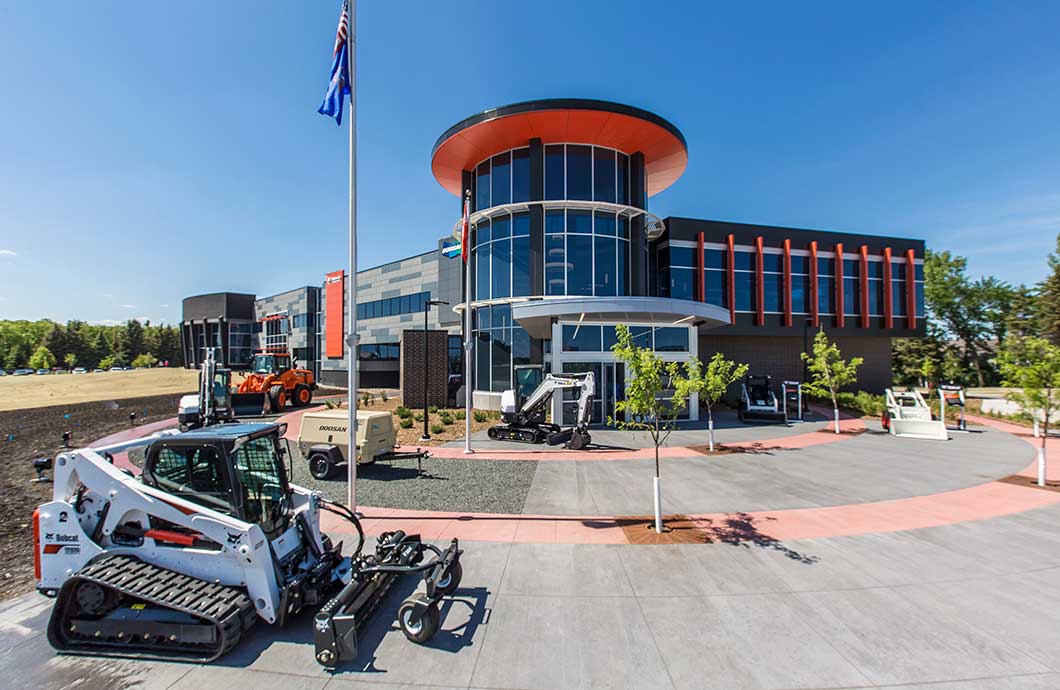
[437,428]
[494,414]
[865,403]
[366,399]
[403,412]
[418,417]
[480,416]
[461,415]
[406,422]
[432,409]
[446,418]
[145,361]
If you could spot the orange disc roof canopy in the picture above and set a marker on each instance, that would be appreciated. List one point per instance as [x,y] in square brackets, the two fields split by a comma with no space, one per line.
[561,120]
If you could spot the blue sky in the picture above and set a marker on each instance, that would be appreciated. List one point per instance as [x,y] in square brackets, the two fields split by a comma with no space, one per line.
[155,150]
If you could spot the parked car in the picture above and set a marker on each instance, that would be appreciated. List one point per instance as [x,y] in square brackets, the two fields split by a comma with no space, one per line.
[126,368]
[23,372]
[42,372]
[97,371]
[115,369]
[3,372]
[80,370]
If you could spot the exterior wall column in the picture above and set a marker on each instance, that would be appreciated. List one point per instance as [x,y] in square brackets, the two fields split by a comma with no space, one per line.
[701,277]
[787,283]
[730,277]
[760,288]
[815,317]
[888,295]
[864,282]
[638,256]
[910,288]
[840,307]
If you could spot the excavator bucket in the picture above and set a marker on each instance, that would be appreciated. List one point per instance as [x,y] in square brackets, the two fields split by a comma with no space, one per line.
[250,404]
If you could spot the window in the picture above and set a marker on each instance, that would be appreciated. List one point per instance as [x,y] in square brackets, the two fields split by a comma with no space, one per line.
[394,306]
[623,178]
[501,179]
[520,175]
[555,180]
[825,286]
[603,174]
[671,339]
[579,172]
[875,288]
[746,281]
[605,261]
[579,265]
[456,355]
[499,344]
[555,265]
[582,339]
[715,262]
[800,284]
[482,186]
[194,473]
[264,485]
[379,352]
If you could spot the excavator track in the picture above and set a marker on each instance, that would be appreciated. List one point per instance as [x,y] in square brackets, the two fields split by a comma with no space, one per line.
[122,606]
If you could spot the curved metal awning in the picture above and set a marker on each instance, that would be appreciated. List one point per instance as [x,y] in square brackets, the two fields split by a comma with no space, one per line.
[536,316]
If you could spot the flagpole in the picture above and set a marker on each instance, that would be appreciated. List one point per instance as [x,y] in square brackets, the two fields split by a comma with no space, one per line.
[465,252]
[351,302]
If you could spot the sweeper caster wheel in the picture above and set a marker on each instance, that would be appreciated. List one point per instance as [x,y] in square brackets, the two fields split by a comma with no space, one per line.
[449,581]
[423,629]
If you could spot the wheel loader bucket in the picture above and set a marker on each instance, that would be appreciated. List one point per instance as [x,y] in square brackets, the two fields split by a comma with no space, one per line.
[250,404]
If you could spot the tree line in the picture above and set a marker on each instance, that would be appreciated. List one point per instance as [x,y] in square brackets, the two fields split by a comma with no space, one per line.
[970,320]
[44,344]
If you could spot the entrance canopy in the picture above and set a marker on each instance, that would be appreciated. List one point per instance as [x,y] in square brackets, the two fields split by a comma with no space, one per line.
[536,316]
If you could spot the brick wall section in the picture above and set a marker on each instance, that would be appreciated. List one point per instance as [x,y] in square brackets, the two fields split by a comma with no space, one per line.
[412,364]
[779,357]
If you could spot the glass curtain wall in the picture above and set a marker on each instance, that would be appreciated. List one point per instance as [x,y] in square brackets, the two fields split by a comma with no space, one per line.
[586,253]
[499,345]
[773,282]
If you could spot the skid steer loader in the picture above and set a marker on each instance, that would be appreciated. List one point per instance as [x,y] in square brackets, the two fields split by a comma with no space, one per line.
[179,562]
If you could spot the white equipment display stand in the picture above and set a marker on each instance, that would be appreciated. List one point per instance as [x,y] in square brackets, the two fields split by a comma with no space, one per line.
[908,416]
[791,398]
[953,396]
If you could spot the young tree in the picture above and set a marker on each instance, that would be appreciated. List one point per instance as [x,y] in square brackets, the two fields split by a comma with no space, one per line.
[42,359]
[829,371]
[713,383]
[655,395]
[145,361]
[1033,366]
[1048,303]
[70,360]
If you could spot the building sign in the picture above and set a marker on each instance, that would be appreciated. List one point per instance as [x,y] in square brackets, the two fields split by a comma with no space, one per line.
[451,248]
[334,330]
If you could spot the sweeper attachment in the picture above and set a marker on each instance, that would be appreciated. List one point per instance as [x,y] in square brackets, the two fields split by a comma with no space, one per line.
[524,417]
[179,562]
[758,402]
[908,416]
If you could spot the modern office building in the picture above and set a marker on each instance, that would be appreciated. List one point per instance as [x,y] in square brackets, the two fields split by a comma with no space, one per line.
[564,247]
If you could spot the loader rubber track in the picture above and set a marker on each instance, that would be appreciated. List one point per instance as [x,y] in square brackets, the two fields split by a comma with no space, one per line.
[155,613]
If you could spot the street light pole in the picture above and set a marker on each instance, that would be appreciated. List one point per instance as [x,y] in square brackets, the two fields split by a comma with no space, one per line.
[427,365]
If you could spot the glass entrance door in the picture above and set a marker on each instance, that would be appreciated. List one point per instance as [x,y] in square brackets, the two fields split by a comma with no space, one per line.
[610,386]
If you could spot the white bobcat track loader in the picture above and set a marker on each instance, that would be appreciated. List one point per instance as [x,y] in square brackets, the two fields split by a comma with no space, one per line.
[907,415]
[180,561]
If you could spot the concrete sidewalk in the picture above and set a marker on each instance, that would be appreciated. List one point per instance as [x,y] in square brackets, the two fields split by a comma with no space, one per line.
[973,602]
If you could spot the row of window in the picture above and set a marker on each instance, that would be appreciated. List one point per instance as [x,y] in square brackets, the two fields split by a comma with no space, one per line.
[304,320]
[571,171]
[676,275]
[499,346]
[379,352]
[590,338]
[586,253]
[393,306]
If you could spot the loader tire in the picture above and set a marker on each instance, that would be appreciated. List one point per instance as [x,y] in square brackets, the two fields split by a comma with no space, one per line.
[302,395]
[277,399]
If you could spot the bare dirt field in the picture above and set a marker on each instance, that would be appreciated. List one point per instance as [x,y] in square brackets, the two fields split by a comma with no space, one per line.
[25,392]
[35,433]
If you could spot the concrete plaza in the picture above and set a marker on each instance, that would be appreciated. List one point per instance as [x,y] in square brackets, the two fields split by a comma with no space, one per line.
[969,603]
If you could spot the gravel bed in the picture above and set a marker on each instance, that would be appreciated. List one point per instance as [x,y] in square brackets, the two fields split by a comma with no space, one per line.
[478,486]
[481,486]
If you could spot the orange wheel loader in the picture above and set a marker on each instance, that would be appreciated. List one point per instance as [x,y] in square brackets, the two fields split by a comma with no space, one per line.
[271,385]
